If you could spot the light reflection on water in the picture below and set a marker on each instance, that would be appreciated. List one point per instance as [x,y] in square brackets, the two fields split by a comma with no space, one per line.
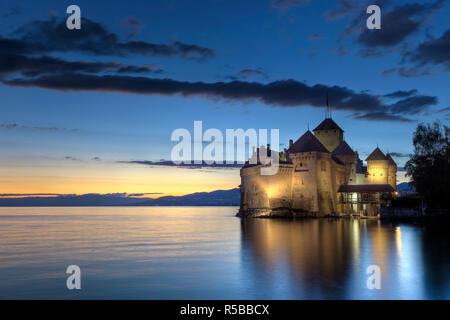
[207,253]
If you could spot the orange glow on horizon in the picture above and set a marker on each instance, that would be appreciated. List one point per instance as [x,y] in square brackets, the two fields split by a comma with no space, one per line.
[104,178]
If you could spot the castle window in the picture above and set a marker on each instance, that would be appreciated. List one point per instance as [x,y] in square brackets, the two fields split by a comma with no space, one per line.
[323,165]
[303,181]
[381,174]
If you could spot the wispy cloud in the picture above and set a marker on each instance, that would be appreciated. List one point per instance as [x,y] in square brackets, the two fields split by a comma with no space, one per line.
[288,4]
[317,36]
[168,163]
[400,154]
[14,11]
[39,128]
[72,158]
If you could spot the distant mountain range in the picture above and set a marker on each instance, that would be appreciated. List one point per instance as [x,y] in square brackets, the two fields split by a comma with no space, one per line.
[215,198]
[404,186]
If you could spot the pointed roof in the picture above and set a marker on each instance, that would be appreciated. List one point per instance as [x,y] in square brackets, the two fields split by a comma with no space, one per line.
[391,161]
[307,143]
[328,124]
[376,154]
[343,149]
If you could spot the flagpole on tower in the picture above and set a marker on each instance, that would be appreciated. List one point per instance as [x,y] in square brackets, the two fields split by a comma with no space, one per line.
[328,112]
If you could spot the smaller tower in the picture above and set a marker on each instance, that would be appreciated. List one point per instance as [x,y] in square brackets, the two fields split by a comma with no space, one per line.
[377,167]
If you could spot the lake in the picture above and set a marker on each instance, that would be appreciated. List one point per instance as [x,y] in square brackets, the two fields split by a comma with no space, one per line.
[207,253]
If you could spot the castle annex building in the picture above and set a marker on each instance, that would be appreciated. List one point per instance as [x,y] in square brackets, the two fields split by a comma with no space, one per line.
[319,174]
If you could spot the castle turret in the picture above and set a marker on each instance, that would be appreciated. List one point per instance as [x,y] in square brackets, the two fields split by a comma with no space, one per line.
[377,167]
[329,134]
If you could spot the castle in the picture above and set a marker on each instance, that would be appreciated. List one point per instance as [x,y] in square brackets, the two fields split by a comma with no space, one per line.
[318,174]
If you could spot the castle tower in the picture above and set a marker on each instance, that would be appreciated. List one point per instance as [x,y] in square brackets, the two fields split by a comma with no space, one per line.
[349,158]
[312,179]
[377,167]
[329,134]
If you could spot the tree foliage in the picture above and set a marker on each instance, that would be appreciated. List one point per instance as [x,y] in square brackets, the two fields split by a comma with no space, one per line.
[429,166]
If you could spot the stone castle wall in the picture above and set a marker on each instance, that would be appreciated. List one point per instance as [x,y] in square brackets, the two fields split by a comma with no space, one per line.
[309,184]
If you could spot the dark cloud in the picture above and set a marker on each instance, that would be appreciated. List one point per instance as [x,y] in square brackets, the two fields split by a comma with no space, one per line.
[433,51]
[33,66]
[401,93]
[382,116]
[143,194]
[9,125]
[251,73]
[287,4]
[52,36]
[344,7]
[400,154]
[408,72]
[399,23]
[29,194]
[282,93]
[169,163]
[413,105]
[444,110]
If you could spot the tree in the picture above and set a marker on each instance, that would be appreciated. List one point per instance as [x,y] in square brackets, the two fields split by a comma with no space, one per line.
[429,166]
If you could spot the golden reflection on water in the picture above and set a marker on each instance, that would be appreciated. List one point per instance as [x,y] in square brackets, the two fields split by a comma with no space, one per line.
[204,253]
[398,239]
[326,255]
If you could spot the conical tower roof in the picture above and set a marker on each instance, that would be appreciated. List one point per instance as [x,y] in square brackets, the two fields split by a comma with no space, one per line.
[376,154]
[307,143]
[343,149]
[328,124]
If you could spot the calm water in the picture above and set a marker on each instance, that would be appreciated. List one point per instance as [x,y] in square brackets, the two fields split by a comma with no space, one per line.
[207,253]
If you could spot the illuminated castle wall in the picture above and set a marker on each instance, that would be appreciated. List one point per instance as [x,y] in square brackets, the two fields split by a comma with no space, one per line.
[321,175]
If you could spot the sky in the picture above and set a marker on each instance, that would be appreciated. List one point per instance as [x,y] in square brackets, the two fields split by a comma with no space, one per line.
[87,111]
